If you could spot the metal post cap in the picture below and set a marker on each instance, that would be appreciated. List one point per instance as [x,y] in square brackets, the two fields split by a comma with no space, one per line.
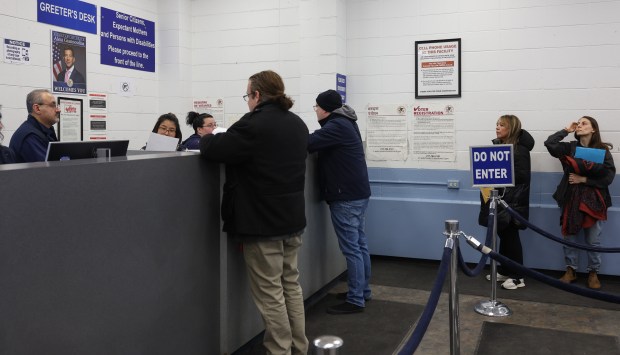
[328,342]
[452,226]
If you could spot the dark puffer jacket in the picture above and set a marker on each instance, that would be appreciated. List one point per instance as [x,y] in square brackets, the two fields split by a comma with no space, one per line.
[518,196]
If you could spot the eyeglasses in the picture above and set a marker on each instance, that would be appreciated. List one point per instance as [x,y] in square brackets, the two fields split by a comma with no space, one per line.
[52,105]
[166,129]
[210,125]
[245,97]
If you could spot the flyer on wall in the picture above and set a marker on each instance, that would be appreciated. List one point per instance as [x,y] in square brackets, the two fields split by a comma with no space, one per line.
[70,123]
[68,63]
[98,111]
[212,106]
[432,135]
[386,132]
[438,68]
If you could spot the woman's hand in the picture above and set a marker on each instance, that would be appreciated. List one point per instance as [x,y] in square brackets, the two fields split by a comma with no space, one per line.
[571,127]
[576,179]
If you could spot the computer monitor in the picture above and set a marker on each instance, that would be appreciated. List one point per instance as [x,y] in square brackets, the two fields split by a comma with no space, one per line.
[84,150]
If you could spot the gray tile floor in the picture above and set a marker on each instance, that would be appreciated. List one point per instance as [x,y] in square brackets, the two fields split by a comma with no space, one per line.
[409,281]
[536,314]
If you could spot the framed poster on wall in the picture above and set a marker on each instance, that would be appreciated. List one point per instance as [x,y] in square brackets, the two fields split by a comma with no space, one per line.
[438,68]
[71,123]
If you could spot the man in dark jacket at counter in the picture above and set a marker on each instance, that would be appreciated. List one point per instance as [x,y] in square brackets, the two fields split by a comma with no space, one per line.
[343,179]
[30,140]
[264,205]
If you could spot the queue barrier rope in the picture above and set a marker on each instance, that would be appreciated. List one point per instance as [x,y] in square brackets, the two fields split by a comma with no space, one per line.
[544,233]
[418,333]
[483,260]
[540,276]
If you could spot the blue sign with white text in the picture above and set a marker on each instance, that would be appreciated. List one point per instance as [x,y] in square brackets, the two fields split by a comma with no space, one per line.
[492,165]
[76,15]
[341,86]
[127,41]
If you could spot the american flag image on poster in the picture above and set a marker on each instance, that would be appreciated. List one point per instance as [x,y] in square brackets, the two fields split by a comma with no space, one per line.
[56,60]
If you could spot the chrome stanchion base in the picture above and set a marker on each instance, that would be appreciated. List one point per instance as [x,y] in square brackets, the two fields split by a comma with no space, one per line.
[492,309]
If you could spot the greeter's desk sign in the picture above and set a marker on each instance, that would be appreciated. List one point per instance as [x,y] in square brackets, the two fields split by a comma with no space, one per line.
[492,165]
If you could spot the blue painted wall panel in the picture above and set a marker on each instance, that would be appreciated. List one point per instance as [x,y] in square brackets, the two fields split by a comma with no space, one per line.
[408,209]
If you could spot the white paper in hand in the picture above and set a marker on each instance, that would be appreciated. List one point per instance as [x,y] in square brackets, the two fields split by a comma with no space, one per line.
[219,130]
[161,143]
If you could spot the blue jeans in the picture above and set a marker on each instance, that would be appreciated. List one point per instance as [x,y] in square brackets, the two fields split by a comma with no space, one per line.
[593,239]
[349,218]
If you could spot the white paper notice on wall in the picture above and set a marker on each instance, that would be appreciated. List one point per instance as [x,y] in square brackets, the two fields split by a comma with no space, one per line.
[432,132]
[386,132]
[213,106]
[126,87]
[16,52]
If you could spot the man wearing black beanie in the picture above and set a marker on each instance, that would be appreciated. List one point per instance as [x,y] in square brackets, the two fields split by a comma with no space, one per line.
[343,179]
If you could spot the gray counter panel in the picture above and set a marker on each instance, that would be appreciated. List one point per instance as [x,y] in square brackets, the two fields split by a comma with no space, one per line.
[110,258]
[127,257]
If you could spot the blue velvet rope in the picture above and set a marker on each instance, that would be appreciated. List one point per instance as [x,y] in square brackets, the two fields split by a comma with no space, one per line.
[418,333]
[552,281]
[483,260]
[557,239]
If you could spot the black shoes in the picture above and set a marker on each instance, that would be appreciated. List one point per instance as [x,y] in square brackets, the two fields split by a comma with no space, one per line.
[344,308]
[343,296]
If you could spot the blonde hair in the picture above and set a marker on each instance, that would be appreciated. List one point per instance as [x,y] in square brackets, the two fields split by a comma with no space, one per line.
[514,128]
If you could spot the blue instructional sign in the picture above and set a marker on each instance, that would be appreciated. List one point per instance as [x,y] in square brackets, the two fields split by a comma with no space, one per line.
[492,165]
[341,86]
[76,15]
[127,41]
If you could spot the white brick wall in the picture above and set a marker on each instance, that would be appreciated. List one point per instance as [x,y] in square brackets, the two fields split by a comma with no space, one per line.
[547,62]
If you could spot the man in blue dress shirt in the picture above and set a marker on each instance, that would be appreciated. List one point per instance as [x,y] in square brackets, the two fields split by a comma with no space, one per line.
[30,140]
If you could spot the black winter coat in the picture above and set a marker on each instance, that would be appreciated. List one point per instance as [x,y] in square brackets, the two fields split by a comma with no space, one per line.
[518,196]
[265,156]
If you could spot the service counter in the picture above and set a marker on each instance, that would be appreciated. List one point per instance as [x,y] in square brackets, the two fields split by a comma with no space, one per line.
[127,256]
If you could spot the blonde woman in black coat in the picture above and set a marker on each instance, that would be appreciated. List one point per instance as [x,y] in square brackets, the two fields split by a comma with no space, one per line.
[508,131]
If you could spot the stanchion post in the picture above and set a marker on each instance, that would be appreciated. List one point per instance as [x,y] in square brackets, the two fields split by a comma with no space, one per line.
[452,232]
[492,307]
[327,345]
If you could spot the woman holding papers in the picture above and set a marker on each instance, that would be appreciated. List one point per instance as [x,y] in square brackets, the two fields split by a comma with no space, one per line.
[583,193]
[508,131]
[168,125]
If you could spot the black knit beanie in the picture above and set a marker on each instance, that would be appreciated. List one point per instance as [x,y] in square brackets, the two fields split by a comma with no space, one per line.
[329,100]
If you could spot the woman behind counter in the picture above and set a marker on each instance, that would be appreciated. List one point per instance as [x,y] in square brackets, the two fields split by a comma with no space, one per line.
[583,193]
[203,123]
[508,131]
[6,154]
[168,125]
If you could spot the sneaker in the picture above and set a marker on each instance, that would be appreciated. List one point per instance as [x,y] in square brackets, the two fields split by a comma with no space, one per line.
[500,277]
[513,284]
[345,308]
[343,296]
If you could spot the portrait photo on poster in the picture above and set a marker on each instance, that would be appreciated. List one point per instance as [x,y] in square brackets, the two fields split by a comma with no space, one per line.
[68,63]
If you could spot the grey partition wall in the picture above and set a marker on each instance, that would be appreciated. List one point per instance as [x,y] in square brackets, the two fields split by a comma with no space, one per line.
[127,257]
[109,257]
